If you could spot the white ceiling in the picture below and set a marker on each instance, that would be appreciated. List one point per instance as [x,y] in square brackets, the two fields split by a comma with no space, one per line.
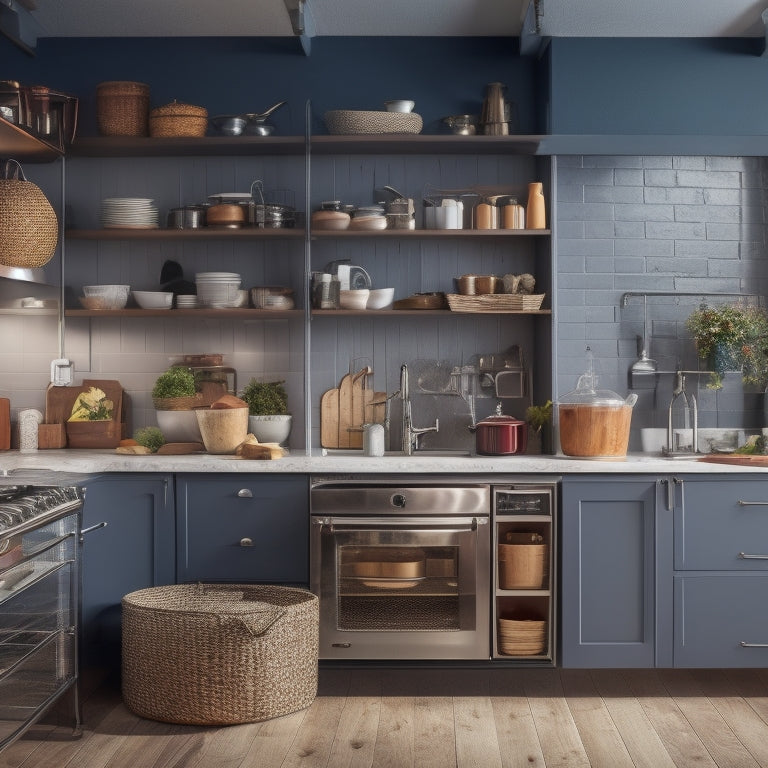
[422,18]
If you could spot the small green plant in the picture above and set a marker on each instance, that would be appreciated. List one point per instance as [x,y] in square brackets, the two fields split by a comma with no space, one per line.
[149,437]
[538,415]
[732,338]
[175,382]
[265,398]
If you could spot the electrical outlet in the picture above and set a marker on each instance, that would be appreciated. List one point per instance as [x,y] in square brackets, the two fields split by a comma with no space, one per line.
[61,372]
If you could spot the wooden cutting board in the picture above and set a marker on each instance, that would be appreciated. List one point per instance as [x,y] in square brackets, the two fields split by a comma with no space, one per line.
[329,419]
[743,460]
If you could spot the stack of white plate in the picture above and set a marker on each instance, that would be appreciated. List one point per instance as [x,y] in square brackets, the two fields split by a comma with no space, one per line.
[218,289]
[186,301]
[128,213]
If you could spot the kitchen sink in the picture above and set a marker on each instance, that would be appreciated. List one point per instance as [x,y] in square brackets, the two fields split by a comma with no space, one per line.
[425,453]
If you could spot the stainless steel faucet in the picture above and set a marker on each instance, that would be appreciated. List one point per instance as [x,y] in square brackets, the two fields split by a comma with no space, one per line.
[411,434]
[690,408]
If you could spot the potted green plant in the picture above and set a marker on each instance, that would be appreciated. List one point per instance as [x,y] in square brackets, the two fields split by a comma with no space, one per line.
[732,338]
[174,396]
[537,417]
[268,417]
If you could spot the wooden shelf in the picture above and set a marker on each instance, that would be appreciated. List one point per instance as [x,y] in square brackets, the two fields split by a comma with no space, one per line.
[421,144]
[429,233]
[20,145]
[205,233]
[198,312]
[416,312]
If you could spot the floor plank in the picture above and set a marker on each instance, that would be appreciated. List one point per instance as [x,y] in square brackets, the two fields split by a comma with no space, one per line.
[444,718]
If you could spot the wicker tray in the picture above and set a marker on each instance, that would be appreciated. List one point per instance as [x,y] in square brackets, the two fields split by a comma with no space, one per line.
[496,302]
[347,122]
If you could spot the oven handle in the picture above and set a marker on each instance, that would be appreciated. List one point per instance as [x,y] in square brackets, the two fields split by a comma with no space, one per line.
[457,524]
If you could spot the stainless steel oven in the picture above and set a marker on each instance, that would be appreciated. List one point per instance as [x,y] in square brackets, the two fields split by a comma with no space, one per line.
[401,570]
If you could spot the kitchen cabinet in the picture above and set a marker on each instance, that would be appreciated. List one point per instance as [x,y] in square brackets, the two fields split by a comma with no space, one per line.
[243,528]
[133,549]
[616,570]
[721,573]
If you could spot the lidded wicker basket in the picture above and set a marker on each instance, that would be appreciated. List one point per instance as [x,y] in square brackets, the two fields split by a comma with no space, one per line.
[219,654]
[29,229]
[122,108]
[177,119]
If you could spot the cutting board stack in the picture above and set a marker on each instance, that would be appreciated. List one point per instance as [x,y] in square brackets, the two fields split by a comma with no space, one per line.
[344,410]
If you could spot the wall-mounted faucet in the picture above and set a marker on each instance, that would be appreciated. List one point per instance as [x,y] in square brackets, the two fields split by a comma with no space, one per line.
[691,413]
[411,434]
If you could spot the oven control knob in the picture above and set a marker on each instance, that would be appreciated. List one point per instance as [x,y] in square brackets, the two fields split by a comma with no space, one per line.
[398,500]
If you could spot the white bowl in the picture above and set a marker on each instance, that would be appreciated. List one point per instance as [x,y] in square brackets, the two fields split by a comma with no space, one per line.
[270,429]
[400,105]
[179,426]
[379,298]
[354,299]
[153,299]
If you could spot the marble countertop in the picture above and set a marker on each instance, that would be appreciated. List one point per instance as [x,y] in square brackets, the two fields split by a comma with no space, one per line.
[14,464]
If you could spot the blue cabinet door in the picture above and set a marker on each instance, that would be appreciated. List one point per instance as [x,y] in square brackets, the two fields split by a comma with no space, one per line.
[243,528]
[134,550]
[609,572]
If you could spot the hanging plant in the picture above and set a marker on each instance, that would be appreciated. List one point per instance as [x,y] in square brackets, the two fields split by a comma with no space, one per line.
[732,338]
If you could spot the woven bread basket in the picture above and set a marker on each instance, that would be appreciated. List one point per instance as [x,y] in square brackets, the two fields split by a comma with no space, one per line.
[348,122]
[122,108]
[29,229]
[179,403]
[177,119]
[219,654]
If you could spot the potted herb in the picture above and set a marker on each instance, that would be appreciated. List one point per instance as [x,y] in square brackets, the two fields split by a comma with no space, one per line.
[175,396]
[732,338]
[268,417]
[537,417]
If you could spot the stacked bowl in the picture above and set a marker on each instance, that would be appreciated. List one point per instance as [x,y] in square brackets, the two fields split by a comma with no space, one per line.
[218,289]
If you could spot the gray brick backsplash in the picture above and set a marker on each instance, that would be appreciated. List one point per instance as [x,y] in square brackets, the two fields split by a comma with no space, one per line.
[625,212]
[598,229]
[719,196]
[568,264]
[629,265]
[629,229]
[645,283]
[708,213]
[600,264]
[690,163]
[584,211]
[668,230]
[590,282]
[677,195]
[613,194]
[638,247]
[711,249]
[570,193]
[657,161]
[586,247]
[678,266]
[573,229]
[629,178]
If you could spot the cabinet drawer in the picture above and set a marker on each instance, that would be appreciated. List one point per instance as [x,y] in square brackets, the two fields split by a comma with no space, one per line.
[236,528]
[722,526]
[720,620]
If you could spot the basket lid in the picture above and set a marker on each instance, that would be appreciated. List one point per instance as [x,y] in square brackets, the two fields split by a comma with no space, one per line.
[178,109]
[123,86]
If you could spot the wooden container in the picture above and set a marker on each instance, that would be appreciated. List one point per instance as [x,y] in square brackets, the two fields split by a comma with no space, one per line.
[596,431]
[95,434]
[522,637]
[51,436]
[523,566]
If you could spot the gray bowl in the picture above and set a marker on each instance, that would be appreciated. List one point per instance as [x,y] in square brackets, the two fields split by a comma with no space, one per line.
[229,125]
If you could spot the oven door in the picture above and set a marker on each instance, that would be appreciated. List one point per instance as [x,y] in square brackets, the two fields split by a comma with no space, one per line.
[402,587]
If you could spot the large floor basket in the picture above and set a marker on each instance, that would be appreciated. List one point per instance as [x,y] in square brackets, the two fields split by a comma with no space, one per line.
[219,654]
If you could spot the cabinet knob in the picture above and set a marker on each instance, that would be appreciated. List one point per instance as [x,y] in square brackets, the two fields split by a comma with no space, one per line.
[244,493]
[246,542]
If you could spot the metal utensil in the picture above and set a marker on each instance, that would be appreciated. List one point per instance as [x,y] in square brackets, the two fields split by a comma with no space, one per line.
[255,117]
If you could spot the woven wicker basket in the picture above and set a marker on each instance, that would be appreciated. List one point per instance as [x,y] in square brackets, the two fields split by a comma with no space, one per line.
[176,119]
[29,229]
[523,566]
[122,108]
[496,302]
[349,122]
[219,654]
[179,403]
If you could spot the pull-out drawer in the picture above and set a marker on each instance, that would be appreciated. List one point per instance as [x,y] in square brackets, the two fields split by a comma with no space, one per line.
[720,620]
[722,526]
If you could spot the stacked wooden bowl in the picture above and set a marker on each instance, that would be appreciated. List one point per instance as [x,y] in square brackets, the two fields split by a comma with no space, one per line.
[522,637]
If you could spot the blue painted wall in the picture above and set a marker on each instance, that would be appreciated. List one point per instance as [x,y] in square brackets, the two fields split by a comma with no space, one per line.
[445,76]
[658,86]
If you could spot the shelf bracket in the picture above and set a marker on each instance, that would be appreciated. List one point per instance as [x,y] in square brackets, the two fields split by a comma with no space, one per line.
[302,22]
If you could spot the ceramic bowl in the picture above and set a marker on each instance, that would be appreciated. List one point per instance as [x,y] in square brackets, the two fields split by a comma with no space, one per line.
[179,426]
[354,299]
[153,299]
[106,296]
[399,105]
[378,298]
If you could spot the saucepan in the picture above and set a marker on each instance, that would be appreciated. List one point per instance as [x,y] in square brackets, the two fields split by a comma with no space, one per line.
[501,435]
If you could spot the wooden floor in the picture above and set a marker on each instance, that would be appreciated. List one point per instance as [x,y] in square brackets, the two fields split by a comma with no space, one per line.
[457,717]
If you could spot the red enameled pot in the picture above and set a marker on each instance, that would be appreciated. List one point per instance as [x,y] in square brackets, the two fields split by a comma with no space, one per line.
[501,435]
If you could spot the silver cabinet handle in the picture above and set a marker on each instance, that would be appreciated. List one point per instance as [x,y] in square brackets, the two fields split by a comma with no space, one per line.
[745,644]
[93,528]
[744,556]
[743,503]
[246,542]
[244,493]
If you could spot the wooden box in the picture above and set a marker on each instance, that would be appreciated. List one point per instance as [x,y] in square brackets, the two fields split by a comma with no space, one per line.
[51,436]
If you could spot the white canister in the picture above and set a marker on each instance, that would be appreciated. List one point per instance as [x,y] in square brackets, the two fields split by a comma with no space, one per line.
[29,420]
[373,439]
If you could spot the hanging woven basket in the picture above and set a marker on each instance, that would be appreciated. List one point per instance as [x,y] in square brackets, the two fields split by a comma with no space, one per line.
[29,230]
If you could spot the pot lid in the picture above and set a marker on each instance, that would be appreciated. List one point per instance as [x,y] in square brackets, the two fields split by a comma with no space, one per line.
[499,419]
[587,393]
